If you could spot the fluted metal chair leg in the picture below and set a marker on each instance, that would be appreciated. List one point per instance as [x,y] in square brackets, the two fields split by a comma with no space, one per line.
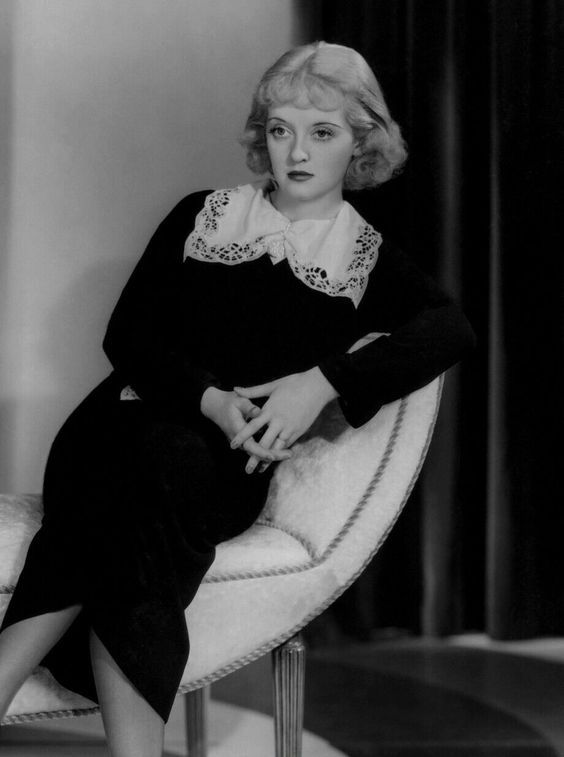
[288,663]
[196,716]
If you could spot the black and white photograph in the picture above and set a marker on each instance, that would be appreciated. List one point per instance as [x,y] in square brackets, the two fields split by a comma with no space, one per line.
[281,378]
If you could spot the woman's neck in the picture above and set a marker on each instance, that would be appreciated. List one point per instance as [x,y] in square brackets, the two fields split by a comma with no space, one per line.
[321,209]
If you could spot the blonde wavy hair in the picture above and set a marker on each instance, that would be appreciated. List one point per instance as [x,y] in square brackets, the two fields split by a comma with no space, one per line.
[330,76]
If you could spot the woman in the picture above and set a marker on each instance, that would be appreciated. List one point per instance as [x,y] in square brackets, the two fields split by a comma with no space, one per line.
[230,337]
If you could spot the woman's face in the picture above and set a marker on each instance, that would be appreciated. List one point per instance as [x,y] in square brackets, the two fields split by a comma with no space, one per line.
[310,151]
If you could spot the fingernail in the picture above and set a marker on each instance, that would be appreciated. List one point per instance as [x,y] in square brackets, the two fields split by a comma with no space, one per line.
[234,445]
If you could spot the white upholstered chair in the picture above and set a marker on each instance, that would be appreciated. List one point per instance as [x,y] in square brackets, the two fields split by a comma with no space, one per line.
[330,508]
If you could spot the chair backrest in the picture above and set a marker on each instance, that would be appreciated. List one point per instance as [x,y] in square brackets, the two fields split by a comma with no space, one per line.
[338,496]
[341,480]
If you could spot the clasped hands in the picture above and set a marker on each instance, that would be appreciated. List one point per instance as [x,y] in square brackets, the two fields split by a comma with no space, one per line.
[292,405]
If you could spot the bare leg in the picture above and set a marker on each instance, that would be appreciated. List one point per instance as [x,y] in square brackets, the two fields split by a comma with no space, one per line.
[24,644]
[133,728]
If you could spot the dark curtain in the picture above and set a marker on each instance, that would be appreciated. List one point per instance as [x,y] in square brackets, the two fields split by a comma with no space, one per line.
[477,87]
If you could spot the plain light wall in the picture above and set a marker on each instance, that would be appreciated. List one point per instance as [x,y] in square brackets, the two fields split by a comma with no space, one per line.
[111,111]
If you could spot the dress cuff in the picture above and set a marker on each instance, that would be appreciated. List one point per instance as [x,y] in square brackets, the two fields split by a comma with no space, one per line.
[337,372]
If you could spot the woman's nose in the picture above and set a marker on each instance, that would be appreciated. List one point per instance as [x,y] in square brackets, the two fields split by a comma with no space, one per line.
[299,152]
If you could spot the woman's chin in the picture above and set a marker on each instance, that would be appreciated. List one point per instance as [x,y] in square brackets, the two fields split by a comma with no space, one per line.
[292,192]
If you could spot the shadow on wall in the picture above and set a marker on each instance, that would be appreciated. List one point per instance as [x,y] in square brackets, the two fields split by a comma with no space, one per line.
[7,409]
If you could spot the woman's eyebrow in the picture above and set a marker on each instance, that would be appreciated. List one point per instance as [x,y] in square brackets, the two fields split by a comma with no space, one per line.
[328,123]
[317,123]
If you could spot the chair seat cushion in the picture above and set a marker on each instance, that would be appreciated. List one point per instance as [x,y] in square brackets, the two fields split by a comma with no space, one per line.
[262,550]
[240,567]
[20,517]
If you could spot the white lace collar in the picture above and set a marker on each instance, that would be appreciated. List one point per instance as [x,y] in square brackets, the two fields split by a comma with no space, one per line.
[333,256]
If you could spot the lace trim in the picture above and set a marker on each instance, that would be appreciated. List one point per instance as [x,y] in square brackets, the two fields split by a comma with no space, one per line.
[365,251]
[206,225]
[364,259]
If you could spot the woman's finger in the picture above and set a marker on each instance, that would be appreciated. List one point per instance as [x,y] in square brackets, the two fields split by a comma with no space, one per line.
[248,409]
[255,460]
[252,463]
[255,391]
[277,446]
[254,448]
[271,434]
[250,428]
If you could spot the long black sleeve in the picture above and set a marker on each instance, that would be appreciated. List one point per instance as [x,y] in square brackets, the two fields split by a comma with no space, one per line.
[428,333]
[143,340]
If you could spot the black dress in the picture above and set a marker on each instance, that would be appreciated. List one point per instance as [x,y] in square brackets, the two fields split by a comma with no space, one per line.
[138,493]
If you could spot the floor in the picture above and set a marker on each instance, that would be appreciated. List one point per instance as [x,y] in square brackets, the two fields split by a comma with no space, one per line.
[466,697]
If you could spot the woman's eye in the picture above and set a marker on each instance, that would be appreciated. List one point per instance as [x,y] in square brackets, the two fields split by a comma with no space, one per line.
[278,131]
[323,134]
